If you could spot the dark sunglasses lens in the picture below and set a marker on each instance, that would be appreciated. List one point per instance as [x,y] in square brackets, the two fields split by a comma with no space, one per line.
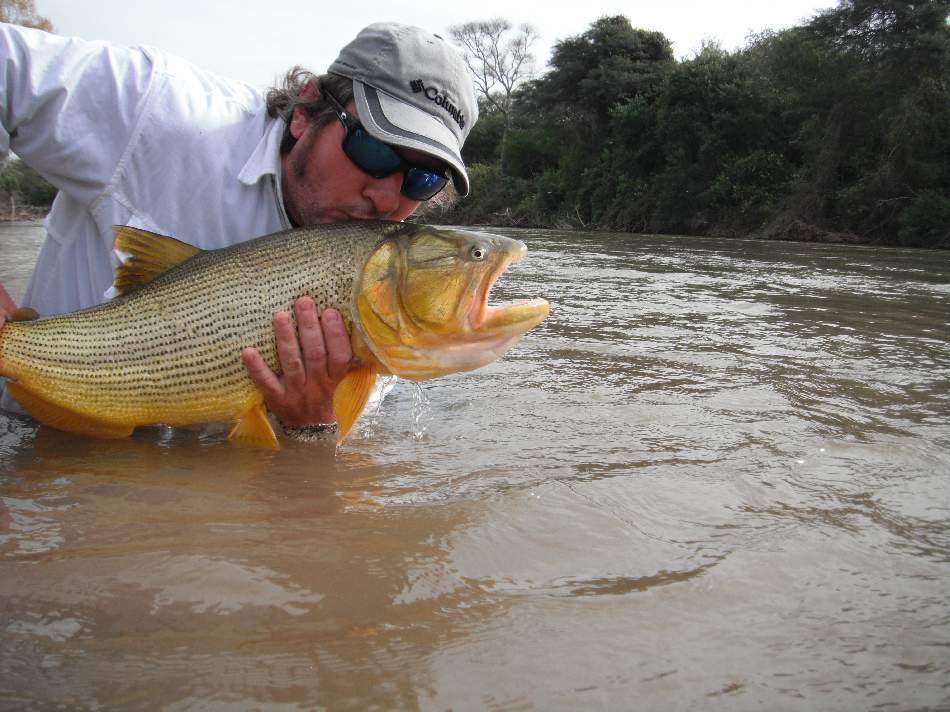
[420,184]
[370,155]
[380,160]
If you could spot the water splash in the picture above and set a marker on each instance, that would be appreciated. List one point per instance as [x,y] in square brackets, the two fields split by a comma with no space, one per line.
[384,384]
[421,410]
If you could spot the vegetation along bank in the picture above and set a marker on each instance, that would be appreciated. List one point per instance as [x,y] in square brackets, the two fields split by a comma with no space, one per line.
[835,130]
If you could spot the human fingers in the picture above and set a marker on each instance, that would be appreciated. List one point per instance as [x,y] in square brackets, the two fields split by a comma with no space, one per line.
[311,339]
[337,340]
[7,305]
[263,377]
[288,351]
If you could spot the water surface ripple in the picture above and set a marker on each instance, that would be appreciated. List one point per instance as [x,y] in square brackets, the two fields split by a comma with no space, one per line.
[715,478]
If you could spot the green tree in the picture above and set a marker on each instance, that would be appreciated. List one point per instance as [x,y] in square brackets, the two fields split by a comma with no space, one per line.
[714,113]
[590,75]
[608,64]
[483,144]
[926,221]
[866,93]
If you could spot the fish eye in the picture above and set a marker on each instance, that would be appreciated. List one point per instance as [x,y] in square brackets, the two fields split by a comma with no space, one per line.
[478,253]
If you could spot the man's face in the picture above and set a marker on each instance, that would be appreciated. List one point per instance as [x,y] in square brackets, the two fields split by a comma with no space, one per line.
[321,185]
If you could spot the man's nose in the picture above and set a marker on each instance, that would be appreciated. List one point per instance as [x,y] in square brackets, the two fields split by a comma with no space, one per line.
[384,193]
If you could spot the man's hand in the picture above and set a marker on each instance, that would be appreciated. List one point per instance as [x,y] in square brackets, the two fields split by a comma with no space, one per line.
[7,305]
[314,358]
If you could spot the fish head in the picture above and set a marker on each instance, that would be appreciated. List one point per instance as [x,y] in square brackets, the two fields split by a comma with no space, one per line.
[421,301]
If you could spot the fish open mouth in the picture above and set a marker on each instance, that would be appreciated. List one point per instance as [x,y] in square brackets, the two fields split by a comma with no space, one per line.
[512,319]
[439,320]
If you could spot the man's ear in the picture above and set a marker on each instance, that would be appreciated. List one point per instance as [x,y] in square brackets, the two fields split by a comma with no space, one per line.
[299,121]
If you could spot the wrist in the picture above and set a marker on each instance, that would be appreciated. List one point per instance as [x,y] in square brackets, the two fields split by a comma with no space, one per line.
[310,431]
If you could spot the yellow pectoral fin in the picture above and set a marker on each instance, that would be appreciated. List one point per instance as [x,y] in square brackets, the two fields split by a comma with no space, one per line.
[350,397]
[56,416]
[254,429]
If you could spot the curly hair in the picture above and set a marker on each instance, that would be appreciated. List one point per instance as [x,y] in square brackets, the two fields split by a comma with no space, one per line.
[288,95]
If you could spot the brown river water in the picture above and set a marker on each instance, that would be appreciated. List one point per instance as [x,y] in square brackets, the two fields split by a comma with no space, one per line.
[715,479]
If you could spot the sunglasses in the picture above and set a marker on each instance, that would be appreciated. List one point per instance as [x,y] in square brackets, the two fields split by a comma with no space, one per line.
[381,160]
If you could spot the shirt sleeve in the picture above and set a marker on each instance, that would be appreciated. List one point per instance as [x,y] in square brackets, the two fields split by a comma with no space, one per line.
[69,108]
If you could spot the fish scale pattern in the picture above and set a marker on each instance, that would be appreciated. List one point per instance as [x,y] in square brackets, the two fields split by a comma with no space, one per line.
[173,347]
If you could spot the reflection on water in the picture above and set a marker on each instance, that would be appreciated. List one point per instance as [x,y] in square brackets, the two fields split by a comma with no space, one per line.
[716,477]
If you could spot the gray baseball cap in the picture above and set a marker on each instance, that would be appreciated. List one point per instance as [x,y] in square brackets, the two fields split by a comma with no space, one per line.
[412,89]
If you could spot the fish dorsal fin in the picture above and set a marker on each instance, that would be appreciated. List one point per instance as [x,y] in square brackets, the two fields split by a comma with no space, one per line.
[145,255]
[25,314]
[350,398]
[62,418]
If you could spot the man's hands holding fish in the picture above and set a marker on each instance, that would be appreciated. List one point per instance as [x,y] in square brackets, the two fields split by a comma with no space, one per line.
[314,358]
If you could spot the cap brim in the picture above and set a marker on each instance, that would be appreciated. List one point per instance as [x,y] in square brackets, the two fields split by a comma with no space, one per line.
[400,124]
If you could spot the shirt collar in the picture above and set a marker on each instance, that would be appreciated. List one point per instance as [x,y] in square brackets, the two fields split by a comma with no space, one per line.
[265,161]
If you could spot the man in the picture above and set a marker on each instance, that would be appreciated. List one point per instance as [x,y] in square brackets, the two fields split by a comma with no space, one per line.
[137,137]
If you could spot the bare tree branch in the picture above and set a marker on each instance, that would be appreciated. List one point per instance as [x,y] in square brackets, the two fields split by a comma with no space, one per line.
[498,64]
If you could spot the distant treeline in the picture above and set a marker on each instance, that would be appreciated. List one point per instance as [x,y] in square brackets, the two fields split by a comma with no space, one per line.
[835,130]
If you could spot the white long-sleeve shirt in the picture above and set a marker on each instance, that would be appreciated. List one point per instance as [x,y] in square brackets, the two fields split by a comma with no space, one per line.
[132,136]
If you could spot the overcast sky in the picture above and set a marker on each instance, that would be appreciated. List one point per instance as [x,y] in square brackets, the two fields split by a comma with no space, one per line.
[257,41]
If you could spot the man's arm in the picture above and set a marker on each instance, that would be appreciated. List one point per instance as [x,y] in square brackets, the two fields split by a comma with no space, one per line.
[69,108]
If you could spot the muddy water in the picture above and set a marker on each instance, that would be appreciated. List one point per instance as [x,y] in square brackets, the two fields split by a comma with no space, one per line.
[716,478]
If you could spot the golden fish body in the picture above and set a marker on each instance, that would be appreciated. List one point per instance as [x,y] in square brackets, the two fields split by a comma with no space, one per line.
[169,349]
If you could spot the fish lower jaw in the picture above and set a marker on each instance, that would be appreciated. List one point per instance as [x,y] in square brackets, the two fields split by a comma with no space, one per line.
[467,352]
[514,317]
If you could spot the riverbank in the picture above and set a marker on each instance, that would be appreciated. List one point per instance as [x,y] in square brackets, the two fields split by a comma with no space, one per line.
[28,214]
[783,230]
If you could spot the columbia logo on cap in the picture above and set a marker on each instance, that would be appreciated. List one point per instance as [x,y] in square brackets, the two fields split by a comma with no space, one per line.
[433,94]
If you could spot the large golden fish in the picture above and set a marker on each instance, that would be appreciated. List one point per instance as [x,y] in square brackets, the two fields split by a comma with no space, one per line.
[168,349]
